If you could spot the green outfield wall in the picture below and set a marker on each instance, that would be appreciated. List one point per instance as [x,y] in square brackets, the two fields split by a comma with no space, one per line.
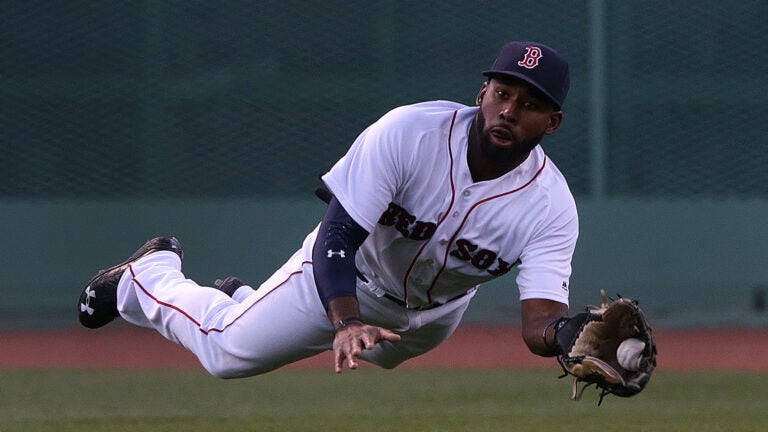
[691,263]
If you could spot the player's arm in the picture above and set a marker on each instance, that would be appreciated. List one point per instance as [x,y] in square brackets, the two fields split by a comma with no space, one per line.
[545,270]
[333,258]
[539,321]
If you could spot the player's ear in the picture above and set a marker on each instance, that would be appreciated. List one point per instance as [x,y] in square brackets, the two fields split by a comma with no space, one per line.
[481,93]
[555,120]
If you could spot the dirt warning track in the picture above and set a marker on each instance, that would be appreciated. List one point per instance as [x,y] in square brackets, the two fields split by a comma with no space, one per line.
[122,346]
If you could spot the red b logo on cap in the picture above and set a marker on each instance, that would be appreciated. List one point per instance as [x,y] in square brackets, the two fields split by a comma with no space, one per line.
[531,59]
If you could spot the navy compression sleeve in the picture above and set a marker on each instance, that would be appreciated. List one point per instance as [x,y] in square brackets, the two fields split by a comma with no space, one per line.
[333,255]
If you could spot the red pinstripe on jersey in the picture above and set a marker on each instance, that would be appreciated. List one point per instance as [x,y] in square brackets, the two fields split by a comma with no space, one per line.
[447,212]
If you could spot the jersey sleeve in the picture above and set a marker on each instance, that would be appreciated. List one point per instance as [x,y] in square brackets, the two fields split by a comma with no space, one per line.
[545,267]
[366,179]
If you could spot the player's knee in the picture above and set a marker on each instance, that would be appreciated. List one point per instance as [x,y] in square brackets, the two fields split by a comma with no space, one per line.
[226,367]
[390,365]
[236,368]
[220,372]
[229,372]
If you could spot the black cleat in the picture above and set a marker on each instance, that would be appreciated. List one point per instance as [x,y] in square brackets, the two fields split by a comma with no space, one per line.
[229,285]
[98,302]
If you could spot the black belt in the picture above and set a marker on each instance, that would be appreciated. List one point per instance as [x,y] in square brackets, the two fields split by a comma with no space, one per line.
[421,308]
[402,302]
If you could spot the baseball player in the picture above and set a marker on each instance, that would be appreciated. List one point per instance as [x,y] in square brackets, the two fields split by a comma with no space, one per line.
[429,202]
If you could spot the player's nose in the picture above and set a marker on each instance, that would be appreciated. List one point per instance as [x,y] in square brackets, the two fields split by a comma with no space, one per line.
[509,113]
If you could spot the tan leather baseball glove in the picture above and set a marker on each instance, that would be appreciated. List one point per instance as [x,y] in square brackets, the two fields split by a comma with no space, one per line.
[588,343]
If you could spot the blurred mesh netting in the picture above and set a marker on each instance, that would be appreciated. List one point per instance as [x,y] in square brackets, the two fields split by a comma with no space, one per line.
[688,89]
[240,98]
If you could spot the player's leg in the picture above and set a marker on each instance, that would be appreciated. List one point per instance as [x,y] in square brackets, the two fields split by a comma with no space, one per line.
[281,322]
[97,305]
[420,331]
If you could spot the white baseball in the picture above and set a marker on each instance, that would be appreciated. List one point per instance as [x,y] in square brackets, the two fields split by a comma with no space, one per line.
[629,353]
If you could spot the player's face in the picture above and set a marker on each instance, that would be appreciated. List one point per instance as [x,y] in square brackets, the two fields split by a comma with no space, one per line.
[513,119]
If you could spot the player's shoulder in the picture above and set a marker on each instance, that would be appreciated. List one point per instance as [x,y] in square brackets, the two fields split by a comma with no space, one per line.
[423,115]
[429,107]
[555,183]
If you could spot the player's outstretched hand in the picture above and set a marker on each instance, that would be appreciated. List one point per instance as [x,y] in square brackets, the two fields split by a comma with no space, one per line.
[351,339]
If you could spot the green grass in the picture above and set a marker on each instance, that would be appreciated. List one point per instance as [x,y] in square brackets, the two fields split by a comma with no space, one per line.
[372,400]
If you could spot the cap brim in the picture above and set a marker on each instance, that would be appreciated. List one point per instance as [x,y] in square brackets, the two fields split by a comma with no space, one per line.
[493,74]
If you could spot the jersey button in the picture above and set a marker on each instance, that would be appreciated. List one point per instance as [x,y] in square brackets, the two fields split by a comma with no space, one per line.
[466,193]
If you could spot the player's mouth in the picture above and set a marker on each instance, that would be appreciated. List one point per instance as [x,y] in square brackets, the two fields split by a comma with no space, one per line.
[502,136]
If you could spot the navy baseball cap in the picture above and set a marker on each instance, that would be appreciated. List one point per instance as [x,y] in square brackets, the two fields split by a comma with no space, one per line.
[536,64]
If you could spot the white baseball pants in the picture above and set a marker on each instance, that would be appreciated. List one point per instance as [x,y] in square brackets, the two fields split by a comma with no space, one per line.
[260,330]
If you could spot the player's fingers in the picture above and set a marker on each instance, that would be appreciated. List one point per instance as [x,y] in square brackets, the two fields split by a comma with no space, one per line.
[346,352]
[341,358]
[348,348]
[368,341]
[376,335]
[338,361]
[352,361]
[387,335]
[350,353]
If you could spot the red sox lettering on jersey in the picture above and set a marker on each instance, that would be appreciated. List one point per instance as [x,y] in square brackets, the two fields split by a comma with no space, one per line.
[411,228]
[406,223]
[482,259]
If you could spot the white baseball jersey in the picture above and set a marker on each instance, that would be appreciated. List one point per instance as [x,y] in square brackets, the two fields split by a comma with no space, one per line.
[434,232]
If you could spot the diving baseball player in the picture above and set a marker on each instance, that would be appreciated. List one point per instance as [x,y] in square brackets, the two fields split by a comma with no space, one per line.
[429,202]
